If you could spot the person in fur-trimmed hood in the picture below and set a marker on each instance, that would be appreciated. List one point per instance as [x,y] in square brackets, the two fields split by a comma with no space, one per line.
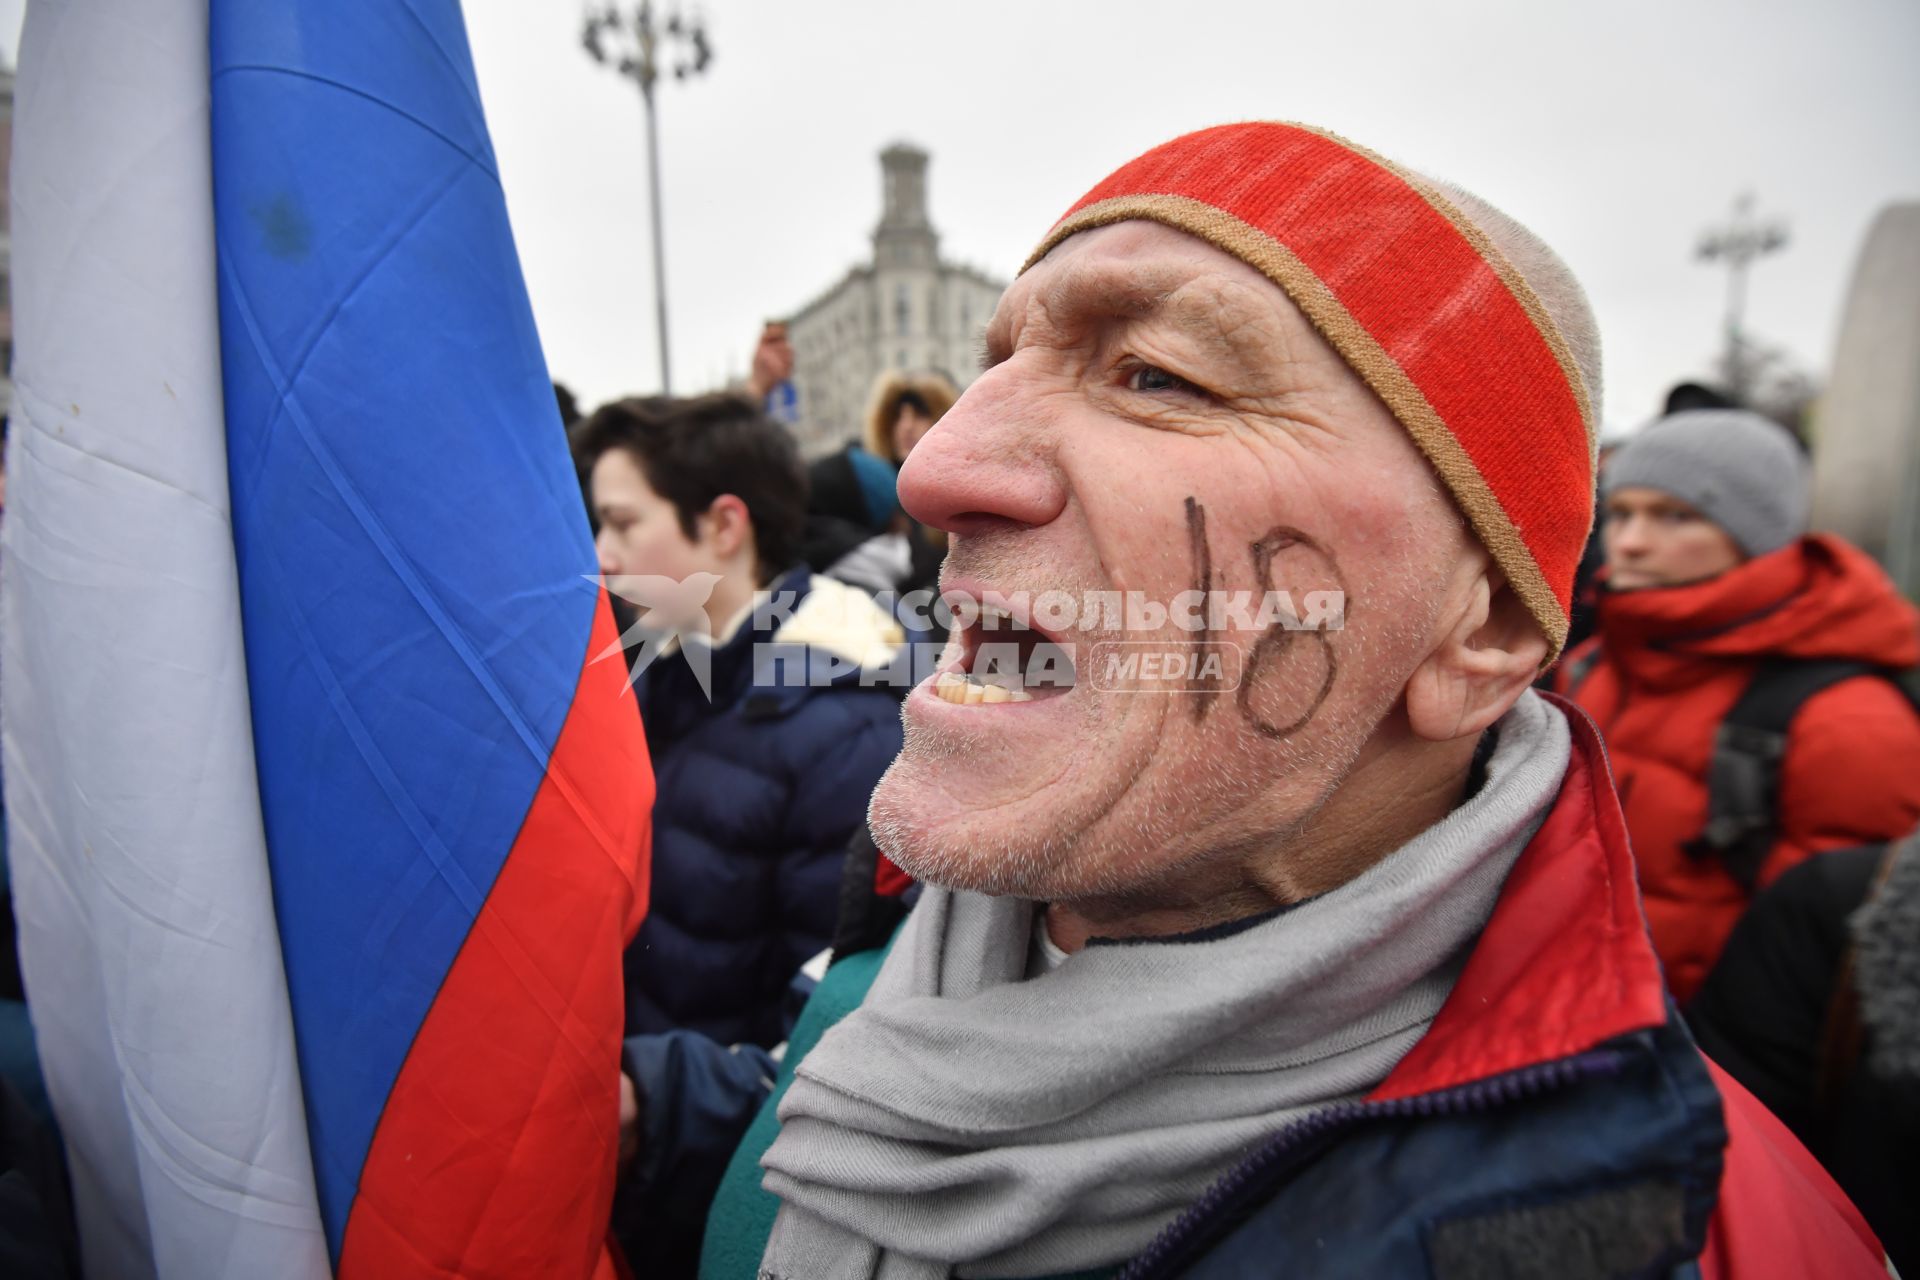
[1815,1007]
[1273,923]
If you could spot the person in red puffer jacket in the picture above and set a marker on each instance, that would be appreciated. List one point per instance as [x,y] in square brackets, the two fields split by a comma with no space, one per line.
[1709,577]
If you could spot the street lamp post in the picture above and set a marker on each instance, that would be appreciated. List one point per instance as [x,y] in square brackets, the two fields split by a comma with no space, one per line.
[638,57]
[1738,243]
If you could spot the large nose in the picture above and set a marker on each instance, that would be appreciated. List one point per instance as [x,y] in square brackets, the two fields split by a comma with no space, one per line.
[991,461]
[603,551]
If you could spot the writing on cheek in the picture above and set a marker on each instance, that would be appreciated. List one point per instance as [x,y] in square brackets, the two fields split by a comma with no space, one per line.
[1203,583]
[1284,659]
[1284,655]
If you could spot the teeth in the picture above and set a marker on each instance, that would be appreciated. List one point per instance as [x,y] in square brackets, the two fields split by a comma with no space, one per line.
[964,690]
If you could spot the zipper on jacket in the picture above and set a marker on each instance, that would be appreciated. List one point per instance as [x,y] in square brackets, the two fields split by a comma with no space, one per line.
[1306,1137]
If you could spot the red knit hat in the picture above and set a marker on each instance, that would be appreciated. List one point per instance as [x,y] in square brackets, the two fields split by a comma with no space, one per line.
[1422,306]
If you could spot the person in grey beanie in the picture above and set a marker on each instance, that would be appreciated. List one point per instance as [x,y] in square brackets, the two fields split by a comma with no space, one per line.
[1742,475]
[1714,597]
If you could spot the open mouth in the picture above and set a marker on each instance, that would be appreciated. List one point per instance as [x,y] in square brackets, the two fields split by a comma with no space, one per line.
[1005,659]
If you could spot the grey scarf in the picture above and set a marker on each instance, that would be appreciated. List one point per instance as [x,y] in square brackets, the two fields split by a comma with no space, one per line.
[967,1119]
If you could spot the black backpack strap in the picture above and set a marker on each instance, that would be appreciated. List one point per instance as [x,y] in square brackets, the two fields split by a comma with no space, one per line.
[1743,777]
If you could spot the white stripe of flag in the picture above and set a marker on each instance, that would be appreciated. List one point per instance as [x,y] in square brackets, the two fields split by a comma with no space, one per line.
[149,947]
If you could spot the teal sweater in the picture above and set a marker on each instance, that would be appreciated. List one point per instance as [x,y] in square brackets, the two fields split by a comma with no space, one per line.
[743,1211]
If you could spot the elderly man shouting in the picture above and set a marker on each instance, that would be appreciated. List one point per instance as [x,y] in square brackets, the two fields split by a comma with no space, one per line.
[1321,955]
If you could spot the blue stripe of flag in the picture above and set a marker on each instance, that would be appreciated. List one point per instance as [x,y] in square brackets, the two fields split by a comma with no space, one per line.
[410,535]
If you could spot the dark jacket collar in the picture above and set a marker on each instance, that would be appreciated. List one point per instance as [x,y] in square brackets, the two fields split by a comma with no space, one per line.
[670,695]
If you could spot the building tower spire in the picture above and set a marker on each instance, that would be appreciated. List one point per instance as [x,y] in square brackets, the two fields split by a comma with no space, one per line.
[905,237]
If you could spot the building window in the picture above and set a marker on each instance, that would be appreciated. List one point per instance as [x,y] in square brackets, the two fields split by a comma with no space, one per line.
[903,310]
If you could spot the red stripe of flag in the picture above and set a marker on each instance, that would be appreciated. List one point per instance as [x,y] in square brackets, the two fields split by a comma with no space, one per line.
[498,1096]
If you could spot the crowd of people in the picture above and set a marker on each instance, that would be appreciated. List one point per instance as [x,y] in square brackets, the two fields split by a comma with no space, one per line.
[1551,906]
[1338,962]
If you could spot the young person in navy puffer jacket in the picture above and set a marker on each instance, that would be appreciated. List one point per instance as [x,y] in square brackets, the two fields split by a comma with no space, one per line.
[768,726]
[765,759]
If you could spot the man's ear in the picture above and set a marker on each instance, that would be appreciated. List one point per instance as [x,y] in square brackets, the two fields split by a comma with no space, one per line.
[1489,653]
[726,527]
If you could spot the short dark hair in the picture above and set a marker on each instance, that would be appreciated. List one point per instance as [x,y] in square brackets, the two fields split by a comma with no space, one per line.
[693,450]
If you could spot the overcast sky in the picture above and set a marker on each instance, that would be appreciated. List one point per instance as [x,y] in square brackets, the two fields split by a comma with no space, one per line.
[1617,131]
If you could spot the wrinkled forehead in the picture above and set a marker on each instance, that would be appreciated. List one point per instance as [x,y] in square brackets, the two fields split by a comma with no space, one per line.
[1416,300]
[1144,271]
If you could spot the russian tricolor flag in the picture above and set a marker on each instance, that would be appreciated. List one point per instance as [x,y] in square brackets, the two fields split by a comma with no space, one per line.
[327,833]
